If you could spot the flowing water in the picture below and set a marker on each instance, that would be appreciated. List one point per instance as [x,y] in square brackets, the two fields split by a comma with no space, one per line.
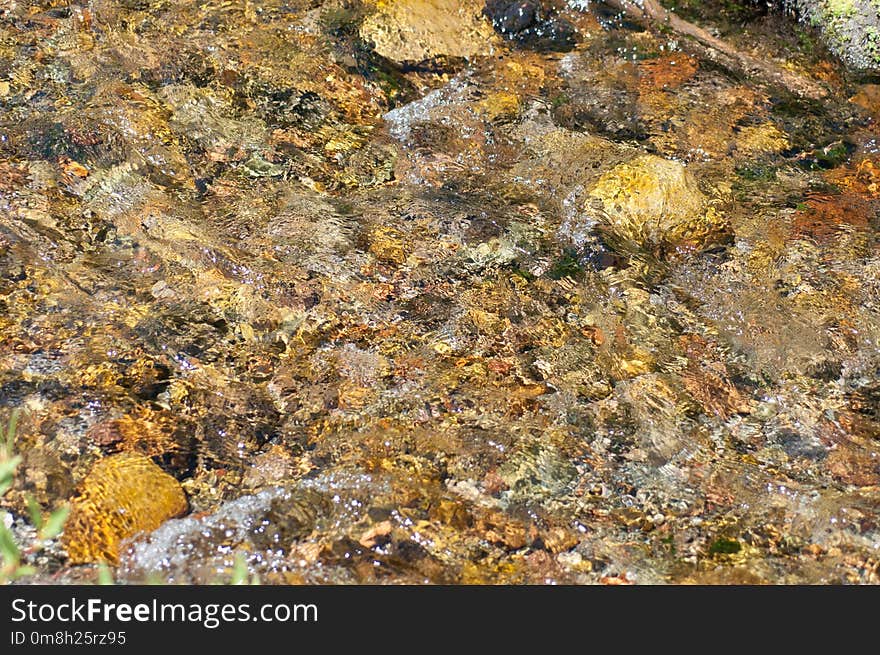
[427,291]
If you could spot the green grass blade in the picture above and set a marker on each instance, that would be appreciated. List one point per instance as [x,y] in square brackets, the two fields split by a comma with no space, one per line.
[8,550]
[105,575]
[35,512]
[55,524]
[239,570]
[11,427]
[7,472]
[21,571]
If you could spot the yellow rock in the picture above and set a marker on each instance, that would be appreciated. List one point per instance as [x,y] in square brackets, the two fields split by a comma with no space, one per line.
[415,30]
[630,368]
[122,495]
[760,139]
[501,105]
[651,202]
[147,432]
[104,376]
[487,322]
[388,245]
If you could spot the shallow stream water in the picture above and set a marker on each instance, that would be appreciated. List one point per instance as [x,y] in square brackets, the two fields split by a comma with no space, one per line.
[430,292]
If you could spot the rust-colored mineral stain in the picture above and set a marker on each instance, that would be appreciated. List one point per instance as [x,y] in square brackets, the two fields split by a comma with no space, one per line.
[123,495]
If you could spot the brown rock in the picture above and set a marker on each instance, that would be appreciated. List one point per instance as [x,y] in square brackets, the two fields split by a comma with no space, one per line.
[854,466]
[388,245]
[868,98]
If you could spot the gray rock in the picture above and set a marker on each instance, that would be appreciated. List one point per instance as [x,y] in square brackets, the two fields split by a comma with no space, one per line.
[850,28]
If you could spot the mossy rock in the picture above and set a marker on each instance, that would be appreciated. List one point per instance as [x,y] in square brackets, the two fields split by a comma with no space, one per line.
[850,29]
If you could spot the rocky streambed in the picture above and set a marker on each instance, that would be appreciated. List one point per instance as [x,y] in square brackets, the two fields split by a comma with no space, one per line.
[436,291]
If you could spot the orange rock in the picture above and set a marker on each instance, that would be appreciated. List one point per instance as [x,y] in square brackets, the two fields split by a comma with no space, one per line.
[71,167]
[12,175]
[854,466]
[707,380]
[666,73]
[868,98]
[824,216]
[852,457]
[500,529]
[615,580]
[862,178]
[123,495]
[559,539]
[370,537]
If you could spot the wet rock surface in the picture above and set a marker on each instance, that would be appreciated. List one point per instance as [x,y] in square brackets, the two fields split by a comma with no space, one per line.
[850,28]
[654,203]
[417,30]
[261,528]
[525,293]
[532,24]
[122,496]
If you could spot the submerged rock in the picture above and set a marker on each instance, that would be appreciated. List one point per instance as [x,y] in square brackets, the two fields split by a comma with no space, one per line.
[654,204]
[538,470]
[532,24]
[395,324]
[416,30]
[122,495]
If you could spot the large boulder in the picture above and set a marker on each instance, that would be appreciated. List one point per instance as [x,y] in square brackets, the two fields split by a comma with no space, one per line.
[850,28]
